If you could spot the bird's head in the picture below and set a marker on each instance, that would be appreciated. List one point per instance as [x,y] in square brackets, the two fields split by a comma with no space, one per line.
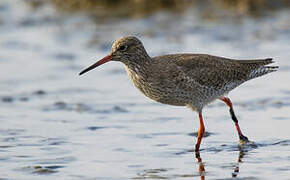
[126,50]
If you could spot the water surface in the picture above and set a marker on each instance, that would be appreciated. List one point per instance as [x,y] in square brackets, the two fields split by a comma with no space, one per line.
[57,125]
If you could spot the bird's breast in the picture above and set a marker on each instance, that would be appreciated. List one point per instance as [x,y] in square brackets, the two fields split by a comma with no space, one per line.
[157,88]
[138,79]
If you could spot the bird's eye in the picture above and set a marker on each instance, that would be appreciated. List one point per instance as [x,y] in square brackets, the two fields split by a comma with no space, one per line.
[122,48]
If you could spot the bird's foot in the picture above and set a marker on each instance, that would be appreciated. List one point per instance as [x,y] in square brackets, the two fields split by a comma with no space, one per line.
[197,155]
[245,142]
[244,139]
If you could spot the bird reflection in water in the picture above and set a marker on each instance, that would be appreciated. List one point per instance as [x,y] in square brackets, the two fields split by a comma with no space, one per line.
[243,149]
[201,169]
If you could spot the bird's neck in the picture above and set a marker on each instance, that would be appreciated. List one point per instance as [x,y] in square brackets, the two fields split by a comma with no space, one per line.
[139,63]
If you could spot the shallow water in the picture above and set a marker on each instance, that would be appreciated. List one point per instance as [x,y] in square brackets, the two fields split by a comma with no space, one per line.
[57,125]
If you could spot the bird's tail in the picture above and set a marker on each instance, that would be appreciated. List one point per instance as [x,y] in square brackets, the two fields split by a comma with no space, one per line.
[258,67]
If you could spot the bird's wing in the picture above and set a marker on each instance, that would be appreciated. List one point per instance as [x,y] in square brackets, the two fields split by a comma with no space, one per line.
[209,71]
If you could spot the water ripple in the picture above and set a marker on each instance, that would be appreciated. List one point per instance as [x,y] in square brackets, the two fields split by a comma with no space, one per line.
[81,107]
[42,170]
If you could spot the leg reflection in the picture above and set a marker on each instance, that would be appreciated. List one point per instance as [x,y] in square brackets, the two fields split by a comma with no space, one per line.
[242,152]
[201,169]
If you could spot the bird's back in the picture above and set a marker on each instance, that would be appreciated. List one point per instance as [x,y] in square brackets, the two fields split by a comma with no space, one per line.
[217,72]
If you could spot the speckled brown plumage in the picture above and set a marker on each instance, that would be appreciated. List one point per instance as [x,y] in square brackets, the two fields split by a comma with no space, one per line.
[192,80]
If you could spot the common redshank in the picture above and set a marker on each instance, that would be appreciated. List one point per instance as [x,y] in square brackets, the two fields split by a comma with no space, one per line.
[192,80]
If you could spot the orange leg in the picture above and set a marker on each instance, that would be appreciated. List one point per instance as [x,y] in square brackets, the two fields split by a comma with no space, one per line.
[234,118]
[197,145]
[200,134]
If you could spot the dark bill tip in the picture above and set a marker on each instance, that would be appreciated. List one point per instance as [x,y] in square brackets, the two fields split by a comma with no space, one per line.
[100,62]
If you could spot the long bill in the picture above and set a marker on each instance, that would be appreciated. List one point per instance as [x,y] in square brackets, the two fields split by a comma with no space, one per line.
[100,62]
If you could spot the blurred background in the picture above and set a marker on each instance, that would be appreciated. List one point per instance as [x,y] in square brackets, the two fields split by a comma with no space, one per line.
[55,124]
